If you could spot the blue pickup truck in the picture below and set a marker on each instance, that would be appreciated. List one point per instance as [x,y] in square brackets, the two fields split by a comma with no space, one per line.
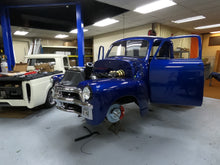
[139,69]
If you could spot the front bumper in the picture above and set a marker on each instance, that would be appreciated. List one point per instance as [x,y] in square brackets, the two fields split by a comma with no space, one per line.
[70,99]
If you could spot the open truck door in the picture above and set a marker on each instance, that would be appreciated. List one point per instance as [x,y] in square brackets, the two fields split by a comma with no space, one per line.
[176,72]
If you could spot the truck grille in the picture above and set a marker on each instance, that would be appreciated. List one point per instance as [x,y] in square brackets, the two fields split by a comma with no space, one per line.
[68,98]
[71,95]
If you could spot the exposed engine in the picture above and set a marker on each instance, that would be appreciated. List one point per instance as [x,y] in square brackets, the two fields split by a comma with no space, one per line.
[111,69]
[111,74]
[101,69]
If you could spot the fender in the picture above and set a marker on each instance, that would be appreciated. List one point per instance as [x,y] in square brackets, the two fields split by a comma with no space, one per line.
[105,92]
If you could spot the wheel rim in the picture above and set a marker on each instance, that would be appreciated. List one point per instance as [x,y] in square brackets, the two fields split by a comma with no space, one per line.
[50,99]
[114,113]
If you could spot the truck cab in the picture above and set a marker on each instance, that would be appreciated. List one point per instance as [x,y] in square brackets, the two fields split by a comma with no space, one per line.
[138,69]
[60,62]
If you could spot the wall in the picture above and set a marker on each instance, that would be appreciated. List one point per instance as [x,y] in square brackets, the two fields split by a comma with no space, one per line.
[20,47]
[166,31]
[106,39]
[51,42]
[209,51]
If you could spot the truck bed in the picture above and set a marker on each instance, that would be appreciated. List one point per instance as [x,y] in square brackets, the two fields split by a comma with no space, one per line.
[28,77]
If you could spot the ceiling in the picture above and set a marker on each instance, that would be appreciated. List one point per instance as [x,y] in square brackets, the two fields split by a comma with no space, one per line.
[46,22]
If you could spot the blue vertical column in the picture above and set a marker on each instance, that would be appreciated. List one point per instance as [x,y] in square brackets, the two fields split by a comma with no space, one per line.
[80,35]
[7,38]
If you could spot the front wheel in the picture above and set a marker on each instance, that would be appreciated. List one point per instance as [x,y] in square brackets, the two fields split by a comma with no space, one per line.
[50,101]
[115,113]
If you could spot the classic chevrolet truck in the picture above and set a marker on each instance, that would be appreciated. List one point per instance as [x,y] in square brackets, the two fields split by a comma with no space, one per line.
[31,89]
[139,69]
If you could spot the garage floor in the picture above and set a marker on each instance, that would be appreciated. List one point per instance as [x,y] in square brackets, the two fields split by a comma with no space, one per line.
[168,135]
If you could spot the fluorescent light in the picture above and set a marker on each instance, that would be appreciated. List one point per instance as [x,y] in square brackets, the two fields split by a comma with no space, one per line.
[61,36]
[21,33]
[208,26]
[75,31]
[215,32]
[189,19]
[105,22]
[154,6]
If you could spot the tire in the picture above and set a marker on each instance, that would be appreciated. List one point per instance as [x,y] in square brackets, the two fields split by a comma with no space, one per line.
[50,101]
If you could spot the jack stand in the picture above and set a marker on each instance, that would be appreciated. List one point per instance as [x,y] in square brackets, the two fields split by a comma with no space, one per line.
[86,136]
[116,127]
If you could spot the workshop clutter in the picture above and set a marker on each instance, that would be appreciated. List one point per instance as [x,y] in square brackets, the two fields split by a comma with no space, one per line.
[44,67]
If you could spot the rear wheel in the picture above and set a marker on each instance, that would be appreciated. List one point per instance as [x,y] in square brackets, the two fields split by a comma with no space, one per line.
[50,101]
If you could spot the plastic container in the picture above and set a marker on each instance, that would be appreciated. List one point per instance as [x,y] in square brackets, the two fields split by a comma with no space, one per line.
[4,67]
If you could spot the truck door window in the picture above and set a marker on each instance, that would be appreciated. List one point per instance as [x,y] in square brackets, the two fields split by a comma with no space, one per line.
[180,48]
[185,48]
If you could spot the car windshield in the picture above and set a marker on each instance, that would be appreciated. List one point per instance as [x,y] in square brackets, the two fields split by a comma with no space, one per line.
[129,48]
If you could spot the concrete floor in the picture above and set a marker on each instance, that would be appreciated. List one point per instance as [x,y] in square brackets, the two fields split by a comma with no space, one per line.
[168,135]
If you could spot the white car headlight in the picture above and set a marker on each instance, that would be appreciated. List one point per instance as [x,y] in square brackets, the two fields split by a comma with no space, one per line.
[86,93]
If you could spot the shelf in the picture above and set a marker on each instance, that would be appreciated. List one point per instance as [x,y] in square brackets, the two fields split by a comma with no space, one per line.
[72,55]
[65,47]
[77,56]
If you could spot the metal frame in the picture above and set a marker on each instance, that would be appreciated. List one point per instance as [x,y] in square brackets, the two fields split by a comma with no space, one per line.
[7,37]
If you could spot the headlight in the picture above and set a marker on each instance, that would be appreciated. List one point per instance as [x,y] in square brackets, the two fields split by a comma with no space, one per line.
[86,93]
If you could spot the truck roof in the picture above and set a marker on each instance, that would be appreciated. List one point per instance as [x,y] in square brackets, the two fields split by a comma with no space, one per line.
[46,56]
[140,38]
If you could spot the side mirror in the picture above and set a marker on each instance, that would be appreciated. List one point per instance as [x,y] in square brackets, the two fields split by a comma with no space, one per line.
[101,50]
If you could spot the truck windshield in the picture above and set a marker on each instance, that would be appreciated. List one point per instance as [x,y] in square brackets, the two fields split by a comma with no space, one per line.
[130,48]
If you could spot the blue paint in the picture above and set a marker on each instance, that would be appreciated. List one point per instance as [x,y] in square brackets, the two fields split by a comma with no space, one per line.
[57,78]
[80,35]
[176,81]
[7,38]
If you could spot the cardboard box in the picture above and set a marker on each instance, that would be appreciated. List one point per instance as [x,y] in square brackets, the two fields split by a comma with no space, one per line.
[44,67]
[20,67]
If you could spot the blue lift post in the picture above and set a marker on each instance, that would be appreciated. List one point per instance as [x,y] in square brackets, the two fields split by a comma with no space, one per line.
[80,35]
[7,38]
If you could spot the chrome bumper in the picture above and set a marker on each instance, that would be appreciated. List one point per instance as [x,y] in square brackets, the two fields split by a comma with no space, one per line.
[69,104]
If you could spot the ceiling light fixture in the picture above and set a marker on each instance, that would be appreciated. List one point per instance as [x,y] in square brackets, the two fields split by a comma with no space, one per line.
[105,22]
[154,6]
[21,33]
[75,31]
[215,32]
[61,36]
[189,19]
[208,26]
